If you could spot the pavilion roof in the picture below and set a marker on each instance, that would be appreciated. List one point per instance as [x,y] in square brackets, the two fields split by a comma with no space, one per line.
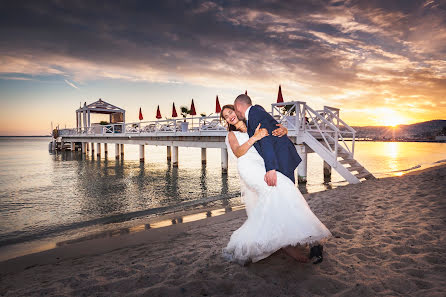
[100,106]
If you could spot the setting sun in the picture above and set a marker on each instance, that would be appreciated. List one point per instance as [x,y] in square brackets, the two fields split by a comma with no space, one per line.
[390,117]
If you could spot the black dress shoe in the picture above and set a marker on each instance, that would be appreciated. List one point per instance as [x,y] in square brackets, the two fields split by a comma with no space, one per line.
[316,252]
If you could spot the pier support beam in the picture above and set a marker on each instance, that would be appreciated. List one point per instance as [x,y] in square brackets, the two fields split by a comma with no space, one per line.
[224,160]
[141,153]
[302,168]
[169,153]
[87,147]
[73,146]
[62,145]
[175,156]
[84,147]
[203,155]
[117,151]
[327,171]
[92,149]
[98,147]
[105,149]
[122,150]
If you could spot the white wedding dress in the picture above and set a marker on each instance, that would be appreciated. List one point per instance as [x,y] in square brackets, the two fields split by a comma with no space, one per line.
[277,216]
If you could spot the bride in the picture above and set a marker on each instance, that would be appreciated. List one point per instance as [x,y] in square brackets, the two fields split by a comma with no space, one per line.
[278,217]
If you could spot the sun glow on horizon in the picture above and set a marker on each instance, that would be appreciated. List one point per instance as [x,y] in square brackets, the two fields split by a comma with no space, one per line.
[391,117]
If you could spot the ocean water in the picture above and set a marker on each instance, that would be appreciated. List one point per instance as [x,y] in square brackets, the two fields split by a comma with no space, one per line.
[47,198]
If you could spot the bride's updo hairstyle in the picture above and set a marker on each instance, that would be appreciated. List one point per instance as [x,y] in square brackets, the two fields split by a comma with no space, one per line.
[229,106]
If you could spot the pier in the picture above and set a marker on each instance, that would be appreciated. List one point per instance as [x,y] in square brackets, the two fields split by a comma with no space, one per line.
[312,131]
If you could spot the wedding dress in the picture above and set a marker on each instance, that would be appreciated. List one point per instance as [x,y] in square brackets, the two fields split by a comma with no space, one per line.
[277,216]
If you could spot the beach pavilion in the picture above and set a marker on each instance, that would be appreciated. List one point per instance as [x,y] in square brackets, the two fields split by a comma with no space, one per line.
[117,115]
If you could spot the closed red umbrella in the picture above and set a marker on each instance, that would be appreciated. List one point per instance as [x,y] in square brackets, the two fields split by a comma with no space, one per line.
[192,109]
[140,114]
[174,111]
[279,95]
[217,106]
[158,113]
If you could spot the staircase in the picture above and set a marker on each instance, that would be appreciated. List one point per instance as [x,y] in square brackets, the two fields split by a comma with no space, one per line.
[326,134]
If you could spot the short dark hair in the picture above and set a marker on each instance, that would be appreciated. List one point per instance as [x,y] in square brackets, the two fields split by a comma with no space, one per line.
[243,98]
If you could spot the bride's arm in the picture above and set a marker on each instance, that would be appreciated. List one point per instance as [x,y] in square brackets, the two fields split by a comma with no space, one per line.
[240,150]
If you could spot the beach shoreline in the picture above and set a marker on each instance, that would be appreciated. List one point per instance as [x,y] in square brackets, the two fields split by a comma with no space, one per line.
[388,239]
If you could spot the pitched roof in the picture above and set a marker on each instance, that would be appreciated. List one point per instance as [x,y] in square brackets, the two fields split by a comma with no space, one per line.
[101,106]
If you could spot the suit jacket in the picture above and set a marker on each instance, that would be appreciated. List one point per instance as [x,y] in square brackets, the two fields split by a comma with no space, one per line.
[278,153]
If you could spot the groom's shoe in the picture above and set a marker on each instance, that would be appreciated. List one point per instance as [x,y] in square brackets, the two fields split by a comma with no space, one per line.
[316,252]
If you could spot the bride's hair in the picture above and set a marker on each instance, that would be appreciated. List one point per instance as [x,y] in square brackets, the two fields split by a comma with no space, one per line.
[230,127]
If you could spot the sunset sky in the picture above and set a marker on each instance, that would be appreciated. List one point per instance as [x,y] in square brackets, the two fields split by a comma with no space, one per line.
[381,62]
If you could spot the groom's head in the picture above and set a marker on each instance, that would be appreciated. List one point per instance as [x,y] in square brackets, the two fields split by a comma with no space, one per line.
[241,104]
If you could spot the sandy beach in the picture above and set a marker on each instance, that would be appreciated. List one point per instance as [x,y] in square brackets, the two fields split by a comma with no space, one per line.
[388,240]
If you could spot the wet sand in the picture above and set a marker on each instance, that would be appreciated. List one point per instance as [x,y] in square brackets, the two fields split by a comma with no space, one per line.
[389,240]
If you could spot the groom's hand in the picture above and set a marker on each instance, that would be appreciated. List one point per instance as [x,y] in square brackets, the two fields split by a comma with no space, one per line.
[271,178]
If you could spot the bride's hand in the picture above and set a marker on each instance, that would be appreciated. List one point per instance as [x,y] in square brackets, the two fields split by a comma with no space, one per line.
[281,131]
[260,133]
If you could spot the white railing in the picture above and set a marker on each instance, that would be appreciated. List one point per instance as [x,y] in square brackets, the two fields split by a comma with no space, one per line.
[168,126]
[325,125]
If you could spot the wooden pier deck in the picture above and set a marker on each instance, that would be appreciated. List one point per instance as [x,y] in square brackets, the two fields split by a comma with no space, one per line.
[312,131]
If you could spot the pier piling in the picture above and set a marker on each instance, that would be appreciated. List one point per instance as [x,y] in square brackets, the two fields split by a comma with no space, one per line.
[122,150]
[175,156]
[203,155]
[98,147]
[169,153]
[327,171]
[117,151]
[105,149]
[224,160]
[141,153]
[302,168]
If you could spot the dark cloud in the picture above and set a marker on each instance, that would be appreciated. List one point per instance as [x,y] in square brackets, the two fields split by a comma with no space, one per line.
[331,44]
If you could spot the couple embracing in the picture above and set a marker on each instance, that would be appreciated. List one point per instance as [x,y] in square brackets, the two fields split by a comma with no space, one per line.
[278,215]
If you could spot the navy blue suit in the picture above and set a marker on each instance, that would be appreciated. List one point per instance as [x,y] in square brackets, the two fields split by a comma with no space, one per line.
[278,153]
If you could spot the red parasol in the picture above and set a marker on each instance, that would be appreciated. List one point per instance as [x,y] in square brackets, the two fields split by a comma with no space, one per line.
[158,113]
[279,95]
[192,109]
[217,105]
[174,111]
[140,114]
[246,92]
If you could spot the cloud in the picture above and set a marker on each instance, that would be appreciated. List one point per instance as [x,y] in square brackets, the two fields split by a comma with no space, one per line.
[71,84]
[324,50]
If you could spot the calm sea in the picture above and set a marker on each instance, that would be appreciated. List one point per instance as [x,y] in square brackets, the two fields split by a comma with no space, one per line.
[47,198]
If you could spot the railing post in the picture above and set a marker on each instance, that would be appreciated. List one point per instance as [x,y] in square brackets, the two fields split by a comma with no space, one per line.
[353,144]
[336,145]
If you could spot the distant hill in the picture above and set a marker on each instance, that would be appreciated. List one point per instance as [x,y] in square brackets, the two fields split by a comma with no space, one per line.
[427,130]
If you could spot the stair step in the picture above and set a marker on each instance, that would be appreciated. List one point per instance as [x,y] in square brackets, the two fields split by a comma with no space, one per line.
[355,168]
[344,155]
[363,175]
[348,161]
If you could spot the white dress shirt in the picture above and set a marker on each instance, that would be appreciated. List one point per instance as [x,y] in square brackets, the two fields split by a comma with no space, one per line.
[247,114]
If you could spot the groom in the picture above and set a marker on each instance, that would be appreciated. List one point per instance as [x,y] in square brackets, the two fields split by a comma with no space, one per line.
[278,153]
